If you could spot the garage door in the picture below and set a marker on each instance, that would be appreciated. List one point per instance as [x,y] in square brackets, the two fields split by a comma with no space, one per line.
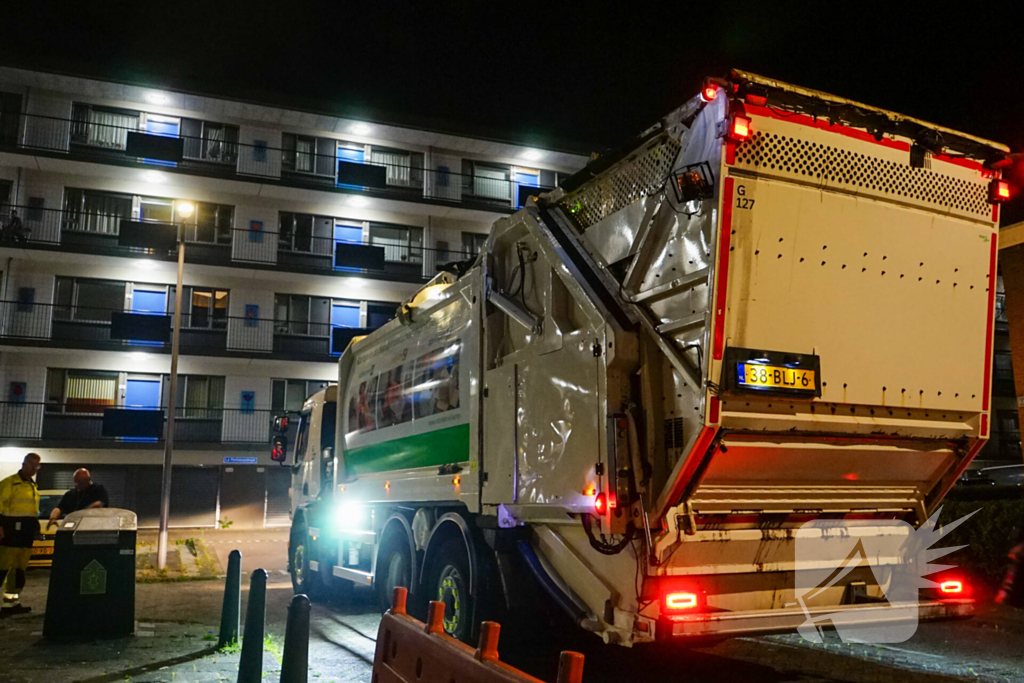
[243,498]
[193,496]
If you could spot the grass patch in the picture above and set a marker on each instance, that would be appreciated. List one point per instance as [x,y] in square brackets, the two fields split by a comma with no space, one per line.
[271,645]
[232,648]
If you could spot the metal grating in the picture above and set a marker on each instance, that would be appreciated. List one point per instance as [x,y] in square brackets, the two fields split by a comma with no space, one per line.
[844,169]
[627,181]
[674,433]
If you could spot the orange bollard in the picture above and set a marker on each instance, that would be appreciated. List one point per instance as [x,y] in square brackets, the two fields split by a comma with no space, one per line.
[398,600]
[570,667]
[435,617]
[488,647]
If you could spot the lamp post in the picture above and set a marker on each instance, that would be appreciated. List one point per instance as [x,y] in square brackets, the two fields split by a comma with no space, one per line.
[184,210]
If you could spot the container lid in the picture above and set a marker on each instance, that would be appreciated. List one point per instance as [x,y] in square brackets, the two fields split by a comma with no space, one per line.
[100,519]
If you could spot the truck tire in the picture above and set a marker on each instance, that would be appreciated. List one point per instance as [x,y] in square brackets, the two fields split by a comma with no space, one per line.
[304,580]
[447,581]
[394,568]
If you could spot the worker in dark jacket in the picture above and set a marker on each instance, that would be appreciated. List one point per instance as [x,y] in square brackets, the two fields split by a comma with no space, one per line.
[83,496]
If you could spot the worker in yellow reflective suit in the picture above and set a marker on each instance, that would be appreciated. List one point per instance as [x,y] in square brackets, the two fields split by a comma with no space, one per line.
[19,524]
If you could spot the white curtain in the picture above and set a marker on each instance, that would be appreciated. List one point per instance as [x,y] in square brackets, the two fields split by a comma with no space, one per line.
[214,139]
[304,155]
[398,166]
[110,130]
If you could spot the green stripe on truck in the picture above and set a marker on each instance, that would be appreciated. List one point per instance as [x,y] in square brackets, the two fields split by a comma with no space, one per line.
[439,447]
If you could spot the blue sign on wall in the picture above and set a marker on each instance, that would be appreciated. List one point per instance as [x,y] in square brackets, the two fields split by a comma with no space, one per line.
[252,315]
[18,390]
[248,401]
[255,231]
[240,460]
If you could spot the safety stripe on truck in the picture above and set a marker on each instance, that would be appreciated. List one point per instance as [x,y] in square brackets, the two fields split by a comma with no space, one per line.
[991,323]
[723,268]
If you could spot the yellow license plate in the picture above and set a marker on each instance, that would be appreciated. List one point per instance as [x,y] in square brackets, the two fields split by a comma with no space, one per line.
[775,377]
[43,551]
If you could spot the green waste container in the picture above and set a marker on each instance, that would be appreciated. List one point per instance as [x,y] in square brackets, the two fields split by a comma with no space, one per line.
[92,582]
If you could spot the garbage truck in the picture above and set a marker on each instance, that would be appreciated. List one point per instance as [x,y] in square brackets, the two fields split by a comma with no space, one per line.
[772,307]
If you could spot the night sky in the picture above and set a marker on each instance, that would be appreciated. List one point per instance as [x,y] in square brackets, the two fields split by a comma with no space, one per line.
[573,76]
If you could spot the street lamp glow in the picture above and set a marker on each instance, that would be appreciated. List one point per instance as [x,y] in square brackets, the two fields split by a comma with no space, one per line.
[532,155]
[360,129]
[358,202]
[153,177]
[156,98]
[145,264]
[185,209]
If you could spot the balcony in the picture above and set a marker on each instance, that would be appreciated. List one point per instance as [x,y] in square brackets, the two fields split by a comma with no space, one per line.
[82,425]
[103,143]
[97,233]
[86,327]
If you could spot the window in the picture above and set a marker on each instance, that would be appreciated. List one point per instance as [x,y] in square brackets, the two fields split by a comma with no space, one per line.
[95,212]
[1001,308]
[10,111]
[80,391]
[473,243]
[87,300]
[487,181]
[296,232]
[401,244]
[102,127]
[378,315]
[288,395]
[202,308]
[404,169]
[302,315]
[210,141]
[199,396]
[156,210]
[211,224]
[299,153]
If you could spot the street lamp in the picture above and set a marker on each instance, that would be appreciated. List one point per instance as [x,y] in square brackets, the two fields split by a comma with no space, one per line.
[184,210]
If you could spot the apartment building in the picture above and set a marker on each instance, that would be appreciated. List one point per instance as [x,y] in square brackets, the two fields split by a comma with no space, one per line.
[300,230]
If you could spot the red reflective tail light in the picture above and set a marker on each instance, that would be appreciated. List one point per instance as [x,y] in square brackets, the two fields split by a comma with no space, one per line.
[951,587]
[600,503]
[998,191]
[739,128]
[709,93]
[680,601]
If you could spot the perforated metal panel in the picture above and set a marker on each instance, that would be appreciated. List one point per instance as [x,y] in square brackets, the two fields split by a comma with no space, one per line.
[634,177]
[846,168]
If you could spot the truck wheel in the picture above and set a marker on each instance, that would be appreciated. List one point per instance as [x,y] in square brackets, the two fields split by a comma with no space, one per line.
[304,580]
[448,582]
[394,568]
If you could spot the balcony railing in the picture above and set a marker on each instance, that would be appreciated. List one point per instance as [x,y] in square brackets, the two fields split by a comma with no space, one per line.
[106,143]
[206,333]
[97,233]
[80,423]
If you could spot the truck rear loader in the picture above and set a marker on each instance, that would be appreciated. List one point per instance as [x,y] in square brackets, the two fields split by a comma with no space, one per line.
[774,306]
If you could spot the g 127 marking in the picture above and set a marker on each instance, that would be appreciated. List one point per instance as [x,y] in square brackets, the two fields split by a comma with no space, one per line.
[742,201]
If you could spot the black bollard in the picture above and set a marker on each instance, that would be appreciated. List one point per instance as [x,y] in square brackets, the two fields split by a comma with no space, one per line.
[250,666]
[295,662]
[230,614]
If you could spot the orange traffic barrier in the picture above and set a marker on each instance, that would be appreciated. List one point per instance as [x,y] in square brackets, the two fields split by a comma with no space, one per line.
[409,651]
